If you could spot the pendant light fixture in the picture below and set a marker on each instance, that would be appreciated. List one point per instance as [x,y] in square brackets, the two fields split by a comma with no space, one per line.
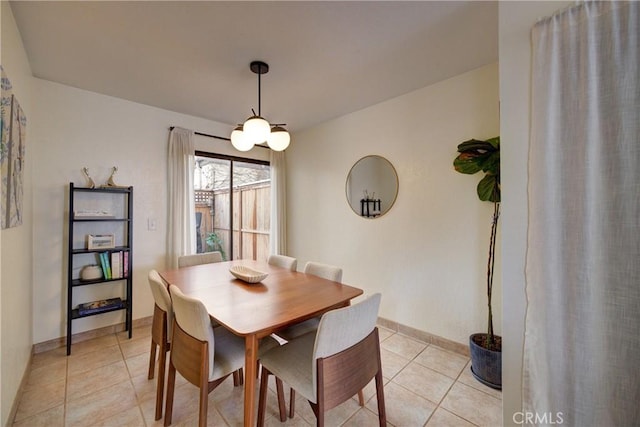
[256,129]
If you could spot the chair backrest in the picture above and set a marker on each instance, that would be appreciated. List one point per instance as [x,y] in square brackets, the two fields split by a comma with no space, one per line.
[192,316]
[197,259]
[161,297]
[283,261]
[325,271]
[343,328]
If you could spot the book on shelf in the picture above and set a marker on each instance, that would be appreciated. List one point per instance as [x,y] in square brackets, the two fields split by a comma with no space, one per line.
[116,265]
[125,264]
[106,267]
[100,306]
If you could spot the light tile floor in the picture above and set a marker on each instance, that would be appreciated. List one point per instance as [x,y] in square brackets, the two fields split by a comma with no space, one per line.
[104,383]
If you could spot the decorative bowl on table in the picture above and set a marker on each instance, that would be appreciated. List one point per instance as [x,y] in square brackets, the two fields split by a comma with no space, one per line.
[247,274]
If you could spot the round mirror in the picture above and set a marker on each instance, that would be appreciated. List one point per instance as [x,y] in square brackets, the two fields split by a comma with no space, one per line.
[372,186]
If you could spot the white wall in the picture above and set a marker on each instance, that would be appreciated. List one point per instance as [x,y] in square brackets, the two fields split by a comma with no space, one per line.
[516,20]
[16,275]
[74,129]
[427,255]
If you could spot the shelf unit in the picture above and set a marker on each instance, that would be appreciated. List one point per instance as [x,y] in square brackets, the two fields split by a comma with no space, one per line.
[122,198]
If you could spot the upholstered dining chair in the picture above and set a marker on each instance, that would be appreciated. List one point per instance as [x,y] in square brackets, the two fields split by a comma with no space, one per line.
[197,259]
[160,334]
[283,261]
[330,366]
[325,271]
[203,357]
[329,272]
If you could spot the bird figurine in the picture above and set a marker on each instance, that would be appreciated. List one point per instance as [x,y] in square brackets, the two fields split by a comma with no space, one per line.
[90,183]
[110,182]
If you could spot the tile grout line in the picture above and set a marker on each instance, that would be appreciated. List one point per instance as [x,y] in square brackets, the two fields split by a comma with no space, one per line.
[427,345]
[126,366]
[455,380]
[409,361]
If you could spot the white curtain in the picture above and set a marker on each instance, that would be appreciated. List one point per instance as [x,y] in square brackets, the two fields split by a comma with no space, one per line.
[582,326]
[181,227]
[278,242]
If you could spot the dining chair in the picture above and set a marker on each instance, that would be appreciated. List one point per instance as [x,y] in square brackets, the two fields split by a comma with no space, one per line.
[283,261]
[160,334]
[329,367]
[325,271]
[203,357]
[197,259]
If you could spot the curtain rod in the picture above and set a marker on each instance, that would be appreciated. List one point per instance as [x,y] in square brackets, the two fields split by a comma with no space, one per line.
[217,137]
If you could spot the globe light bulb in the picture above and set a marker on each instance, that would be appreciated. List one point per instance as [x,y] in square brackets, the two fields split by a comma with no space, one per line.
[256,129]
[279,138]
[240,141]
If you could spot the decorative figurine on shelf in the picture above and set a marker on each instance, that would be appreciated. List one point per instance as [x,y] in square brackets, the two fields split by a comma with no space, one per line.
[90,183]
[110,182]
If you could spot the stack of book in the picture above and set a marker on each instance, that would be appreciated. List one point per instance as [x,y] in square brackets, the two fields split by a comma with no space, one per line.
[115,265]
[100,306]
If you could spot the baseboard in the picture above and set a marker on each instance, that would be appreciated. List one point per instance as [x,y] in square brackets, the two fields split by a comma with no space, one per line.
[16,398]
[414,333]
[425,337]
[88,335]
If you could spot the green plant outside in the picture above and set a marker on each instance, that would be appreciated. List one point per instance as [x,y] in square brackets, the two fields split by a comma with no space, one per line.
[476,156]
[214,243]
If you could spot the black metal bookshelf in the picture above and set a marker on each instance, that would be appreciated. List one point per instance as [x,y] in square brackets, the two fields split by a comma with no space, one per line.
[74,251]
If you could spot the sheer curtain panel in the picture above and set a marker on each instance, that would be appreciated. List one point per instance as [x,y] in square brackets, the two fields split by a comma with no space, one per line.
[582,344]
[278,241]
[181,227]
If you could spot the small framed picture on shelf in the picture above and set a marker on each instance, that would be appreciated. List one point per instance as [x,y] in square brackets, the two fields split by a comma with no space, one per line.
[101,241]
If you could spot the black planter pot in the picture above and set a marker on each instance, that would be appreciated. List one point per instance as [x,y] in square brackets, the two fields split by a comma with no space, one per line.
[486,365]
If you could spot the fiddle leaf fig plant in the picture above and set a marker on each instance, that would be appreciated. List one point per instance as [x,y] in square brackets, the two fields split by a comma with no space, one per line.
[484,156]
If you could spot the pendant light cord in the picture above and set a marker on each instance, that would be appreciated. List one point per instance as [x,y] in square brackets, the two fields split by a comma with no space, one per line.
[259,90]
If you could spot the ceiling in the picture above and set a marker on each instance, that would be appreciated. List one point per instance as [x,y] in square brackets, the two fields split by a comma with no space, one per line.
[326,59]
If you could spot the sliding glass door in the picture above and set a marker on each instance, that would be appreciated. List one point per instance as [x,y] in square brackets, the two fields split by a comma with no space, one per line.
[233,199]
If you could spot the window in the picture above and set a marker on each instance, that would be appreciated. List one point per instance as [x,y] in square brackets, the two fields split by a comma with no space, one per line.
[233,206]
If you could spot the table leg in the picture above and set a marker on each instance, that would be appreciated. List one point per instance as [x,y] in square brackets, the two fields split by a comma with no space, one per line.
[250,366]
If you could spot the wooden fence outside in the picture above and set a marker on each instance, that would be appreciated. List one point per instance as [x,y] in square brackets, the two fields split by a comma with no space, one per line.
[251,220]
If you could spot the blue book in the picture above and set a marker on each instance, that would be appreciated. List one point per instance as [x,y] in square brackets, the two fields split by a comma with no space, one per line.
[103,264]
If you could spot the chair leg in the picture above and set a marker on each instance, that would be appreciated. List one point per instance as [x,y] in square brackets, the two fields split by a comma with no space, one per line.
[292,403]
[281,404]
[160,383]
[361,398]
[152,360]
[171,382]
[262,400]
[204,403]
[382,413]
[320,416]
[238,377]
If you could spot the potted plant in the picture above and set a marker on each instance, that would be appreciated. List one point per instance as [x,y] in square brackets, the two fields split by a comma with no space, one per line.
[486,348]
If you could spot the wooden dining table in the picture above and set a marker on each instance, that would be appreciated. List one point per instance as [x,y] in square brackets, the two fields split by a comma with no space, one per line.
[255,311]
